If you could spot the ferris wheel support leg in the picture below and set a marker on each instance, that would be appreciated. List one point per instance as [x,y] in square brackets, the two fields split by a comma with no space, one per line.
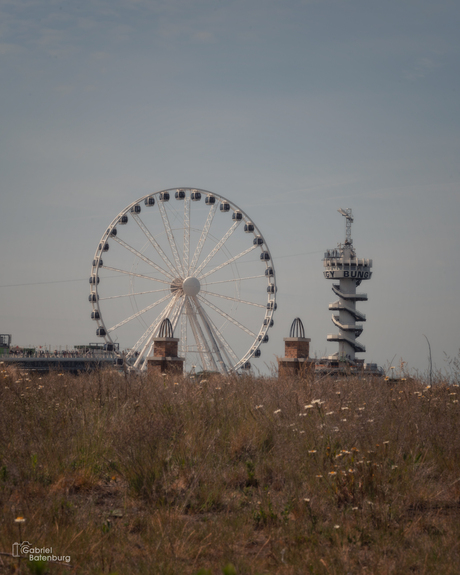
[232,359]
[212,336]
[177,316]
[203,349]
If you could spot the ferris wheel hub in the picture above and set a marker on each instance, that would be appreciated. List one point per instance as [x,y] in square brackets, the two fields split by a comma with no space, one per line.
[191,286]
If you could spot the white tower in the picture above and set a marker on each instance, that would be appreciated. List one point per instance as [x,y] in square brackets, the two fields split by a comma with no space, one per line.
[342,264]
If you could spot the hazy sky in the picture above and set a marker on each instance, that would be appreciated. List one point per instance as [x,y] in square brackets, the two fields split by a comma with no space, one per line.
[291,109]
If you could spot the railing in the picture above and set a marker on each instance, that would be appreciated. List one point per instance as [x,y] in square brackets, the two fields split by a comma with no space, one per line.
[99,354]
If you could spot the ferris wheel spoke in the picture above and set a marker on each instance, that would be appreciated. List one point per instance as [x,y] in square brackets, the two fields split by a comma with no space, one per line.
[237,279]
[213,339]
[133,293]
[203,237]
[137,275]
[233,299]
[155,244]
[171,239]
[231,260]
[200,348]
[230,361]
[139,313]
[205,352]
[140,346]
[143,258]
[186,250]
[179,316]
[216,248]
[226,316]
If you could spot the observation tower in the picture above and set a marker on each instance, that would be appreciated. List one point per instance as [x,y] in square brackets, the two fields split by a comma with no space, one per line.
[342,265]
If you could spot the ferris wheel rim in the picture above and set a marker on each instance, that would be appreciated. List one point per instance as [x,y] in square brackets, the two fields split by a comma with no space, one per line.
[188,271]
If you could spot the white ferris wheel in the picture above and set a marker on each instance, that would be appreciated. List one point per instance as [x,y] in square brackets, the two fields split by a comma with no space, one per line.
[193,257]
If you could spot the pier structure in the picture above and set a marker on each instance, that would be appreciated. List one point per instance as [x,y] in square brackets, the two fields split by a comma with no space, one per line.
[59,363]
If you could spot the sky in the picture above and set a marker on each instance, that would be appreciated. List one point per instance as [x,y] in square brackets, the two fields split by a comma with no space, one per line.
[290,109]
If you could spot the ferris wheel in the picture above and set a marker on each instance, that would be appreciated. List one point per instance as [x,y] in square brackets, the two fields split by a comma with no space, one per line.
[195,258]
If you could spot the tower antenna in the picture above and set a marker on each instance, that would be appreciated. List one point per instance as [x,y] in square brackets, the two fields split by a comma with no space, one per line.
[349,220]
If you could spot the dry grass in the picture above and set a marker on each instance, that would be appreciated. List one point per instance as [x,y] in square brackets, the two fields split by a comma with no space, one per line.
[269,475]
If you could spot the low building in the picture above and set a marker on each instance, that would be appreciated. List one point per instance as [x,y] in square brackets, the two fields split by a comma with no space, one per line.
[296,360]
[165,350]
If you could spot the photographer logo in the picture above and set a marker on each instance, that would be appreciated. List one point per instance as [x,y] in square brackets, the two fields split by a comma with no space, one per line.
[37,553]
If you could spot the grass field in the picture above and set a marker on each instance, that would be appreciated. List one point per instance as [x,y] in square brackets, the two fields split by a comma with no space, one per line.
[230,475]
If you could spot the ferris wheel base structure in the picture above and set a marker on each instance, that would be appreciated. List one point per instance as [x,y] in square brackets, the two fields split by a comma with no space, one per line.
[343,266]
